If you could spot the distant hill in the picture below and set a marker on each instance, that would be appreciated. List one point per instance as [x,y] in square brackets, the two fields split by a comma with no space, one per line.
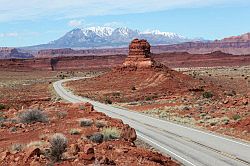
[237,45]
[8,53]
[242,38]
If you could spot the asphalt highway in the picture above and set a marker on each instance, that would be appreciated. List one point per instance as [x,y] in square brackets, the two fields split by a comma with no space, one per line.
[191,147]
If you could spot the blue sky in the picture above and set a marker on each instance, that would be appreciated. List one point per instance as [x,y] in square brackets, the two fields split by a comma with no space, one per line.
[24,23]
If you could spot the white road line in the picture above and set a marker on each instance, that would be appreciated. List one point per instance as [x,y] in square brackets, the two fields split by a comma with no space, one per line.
[139,135]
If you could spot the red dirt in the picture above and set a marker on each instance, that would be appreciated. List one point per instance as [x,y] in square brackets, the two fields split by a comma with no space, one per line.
[171,93]
[139,78]
[121,151]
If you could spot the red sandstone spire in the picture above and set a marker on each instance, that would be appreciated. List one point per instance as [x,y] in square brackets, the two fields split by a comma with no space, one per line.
[139,54]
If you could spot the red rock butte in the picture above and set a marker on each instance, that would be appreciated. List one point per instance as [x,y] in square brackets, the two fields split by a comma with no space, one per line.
[139,55]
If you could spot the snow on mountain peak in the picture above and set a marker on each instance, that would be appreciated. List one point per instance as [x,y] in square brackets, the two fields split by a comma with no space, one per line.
[98,30]
[124,31]
[167,34]
[107,36]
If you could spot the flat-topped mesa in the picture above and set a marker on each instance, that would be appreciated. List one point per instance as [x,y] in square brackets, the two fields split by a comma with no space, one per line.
[139,55]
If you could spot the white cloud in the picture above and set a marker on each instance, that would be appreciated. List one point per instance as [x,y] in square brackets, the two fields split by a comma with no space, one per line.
[57,9]
[114,24]
[75,23]
[11,34]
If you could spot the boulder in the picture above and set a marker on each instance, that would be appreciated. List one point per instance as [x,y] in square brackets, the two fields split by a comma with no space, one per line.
[35,163]
[88,107]
[74,149]
[31,152]
[128,133]
[103,160]
[244,101]
[88,149]
[85,156]
[3,155]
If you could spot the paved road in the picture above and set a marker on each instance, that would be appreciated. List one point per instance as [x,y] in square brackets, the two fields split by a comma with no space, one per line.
[187,145]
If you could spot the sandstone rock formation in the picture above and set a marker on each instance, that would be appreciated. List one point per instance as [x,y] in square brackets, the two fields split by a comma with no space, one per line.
[139,77]
[139,55]
[242,38]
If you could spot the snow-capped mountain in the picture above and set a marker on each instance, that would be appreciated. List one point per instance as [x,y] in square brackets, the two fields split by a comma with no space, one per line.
[100,31]
[94,37]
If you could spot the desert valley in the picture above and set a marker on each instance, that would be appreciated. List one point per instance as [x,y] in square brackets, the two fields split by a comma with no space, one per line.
[112,95]
[204,91]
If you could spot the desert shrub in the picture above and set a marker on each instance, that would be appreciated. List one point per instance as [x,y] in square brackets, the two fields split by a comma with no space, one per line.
[203,114]
[62,114]
[133,88]
[231,93]
[207,94]
[13,129]
[2,107]
[75,131]
[108,101]
[2,119]
[201,121]
[225,120]
[110,133]
[164,114]
[116,94]
[96,137]
[82,107]
[214,121]
[100,123]
[148,98]
[31,116]
[1,124]
[236,117]
[58,146]
[17,147]
[85,122]
[207,117]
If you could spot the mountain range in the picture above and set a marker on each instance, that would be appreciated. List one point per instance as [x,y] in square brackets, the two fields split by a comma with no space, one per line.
[112,41]
[100,37]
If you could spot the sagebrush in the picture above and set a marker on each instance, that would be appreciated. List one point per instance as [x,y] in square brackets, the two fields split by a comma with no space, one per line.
[59,144]
[34,115]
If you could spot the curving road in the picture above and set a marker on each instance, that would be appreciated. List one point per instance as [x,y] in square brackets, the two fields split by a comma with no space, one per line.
[190,146]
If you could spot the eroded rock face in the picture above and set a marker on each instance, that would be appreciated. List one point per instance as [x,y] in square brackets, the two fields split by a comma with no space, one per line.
[139,54]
